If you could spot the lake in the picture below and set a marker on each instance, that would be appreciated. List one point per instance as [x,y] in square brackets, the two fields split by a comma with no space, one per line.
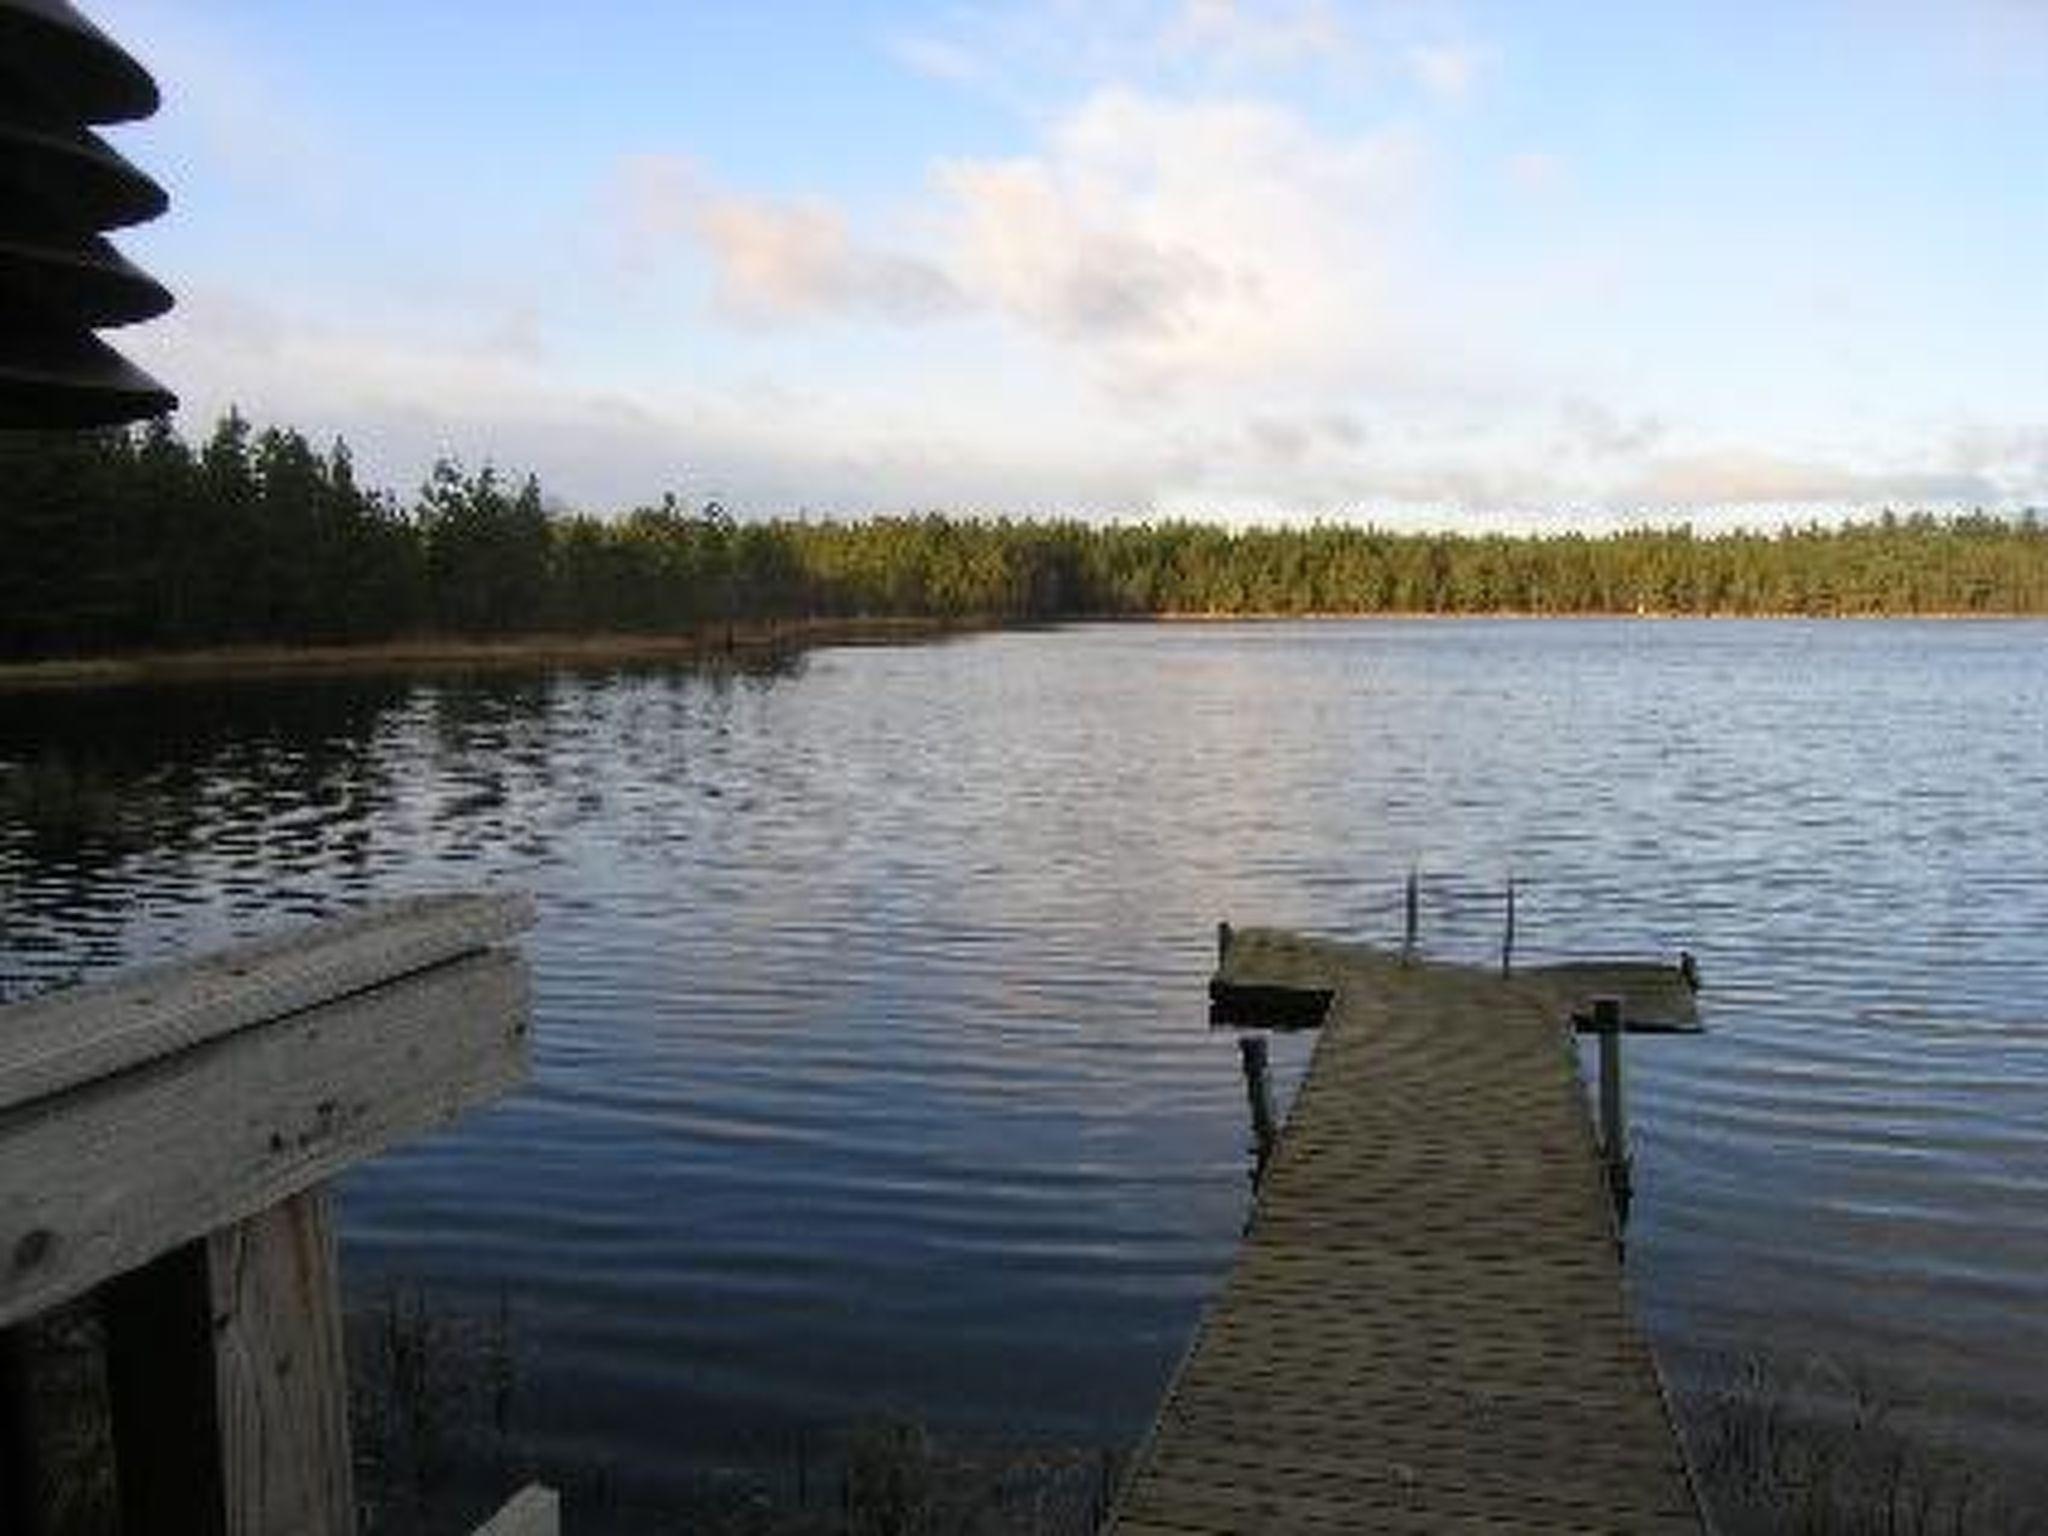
[873,1079]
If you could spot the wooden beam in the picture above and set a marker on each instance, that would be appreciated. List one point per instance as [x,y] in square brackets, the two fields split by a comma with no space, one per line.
[112,1174]
[1274,980]
[1586,1024]
[1653,995]
[65,1039]
[1260,1005]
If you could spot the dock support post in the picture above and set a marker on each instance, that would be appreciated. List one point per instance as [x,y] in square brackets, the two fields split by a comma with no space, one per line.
[1507,941]
[24,1476]
[1413,906]
[1607,1024]
[1258,1092]
[227,1383]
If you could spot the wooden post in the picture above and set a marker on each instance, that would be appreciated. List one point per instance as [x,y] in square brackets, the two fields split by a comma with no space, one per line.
[1414,912]
[280,1375]
[24,1477]
[1607,1024]
[227,1381]
[1507,941]
[160,1387]
[1258,1092]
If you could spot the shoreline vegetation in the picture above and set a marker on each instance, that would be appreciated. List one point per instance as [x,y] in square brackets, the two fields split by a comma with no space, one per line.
[745,639]
[135,556]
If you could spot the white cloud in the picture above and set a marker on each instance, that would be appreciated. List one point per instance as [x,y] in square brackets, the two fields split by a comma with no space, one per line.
[217,348]
[1185,244]
[935,58]
[2012,456]
[778,261]
[773,261]
[1023,242]
[1448,71]
[1250,298]
[1599,430]
[1170,245]
[1750,477]
[405,395]
[1259,34]
[648,203]
[1022,54]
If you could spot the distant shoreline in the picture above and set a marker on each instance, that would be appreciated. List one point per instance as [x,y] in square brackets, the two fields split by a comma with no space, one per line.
[743,638]
[433,653]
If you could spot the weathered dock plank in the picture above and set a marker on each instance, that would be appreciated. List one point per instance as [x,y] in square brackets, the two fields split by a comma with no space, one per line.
[1427,1329]
[106,1177]
[66,1038]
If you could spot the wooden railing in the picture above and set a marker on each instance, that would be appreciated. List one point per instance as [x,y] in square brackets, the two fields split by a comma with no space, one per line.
[166,1139]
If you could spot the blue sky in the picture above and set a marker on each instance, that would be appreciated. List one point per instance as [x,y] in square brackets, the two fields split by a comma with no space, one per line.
[1474,265]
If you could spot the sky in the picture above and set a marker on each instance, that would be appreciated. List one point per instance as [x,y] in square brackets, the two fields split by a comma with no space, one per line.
[1466,265]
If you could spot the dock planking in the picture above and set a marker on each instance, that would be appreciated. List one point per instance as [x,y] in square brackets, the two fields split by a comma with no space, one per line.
[1427,1328]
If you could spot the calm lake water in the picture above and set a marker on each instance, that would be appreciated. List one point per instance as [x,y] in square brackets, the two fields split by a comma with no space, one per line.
[872,1069]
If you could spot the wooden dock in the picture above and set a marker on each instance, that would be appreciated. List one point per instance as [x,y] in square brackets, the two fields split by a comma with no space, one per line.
[166,1142]
[1427,1328]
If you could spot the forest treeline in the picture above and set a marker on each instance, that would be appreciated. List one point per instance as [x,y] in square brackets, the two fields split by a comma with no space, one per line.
[136,539]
